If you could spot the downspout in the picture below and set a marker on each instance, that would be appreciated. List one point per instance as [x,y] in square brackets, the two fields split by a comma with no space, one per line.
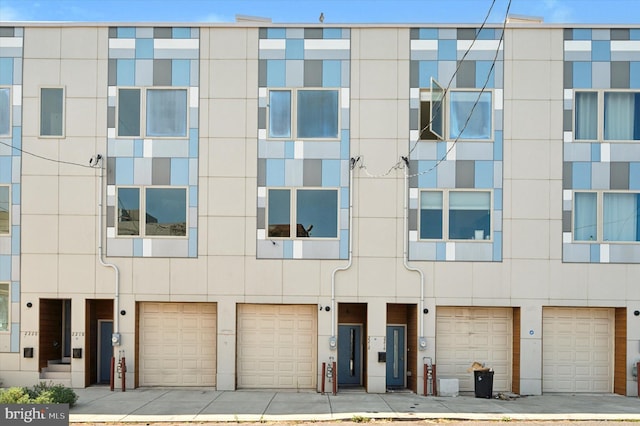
[115,339]
[332,340]
[422,341]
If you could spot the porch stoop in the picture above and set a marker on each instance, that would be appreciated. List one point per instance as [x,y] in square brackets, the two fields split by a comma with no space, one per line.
[57,372]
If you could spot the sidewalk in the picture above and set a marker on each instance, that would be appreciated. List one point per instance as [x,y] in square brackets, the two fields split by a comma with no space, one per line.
[98,404]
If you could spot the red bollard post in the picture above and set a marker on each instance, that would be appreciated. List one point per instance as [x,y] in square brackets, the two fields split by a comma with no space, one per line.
[124,374]
[335,377]
[324,367]
[111,374]
[435,380]
[426,380]
[638,377]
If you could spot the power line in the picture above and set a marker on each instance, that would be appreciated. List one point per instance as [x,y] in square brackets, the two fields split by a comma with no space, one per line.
[47,158]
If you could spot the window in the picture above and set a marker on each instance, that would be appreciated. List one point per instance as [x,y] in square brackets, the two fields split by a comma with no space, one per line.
[4,306]
[468,215]
[165,116]
[306,114]
[5,211]
[302,213]
[51,112]
[607,115]
[5,111]
[152,212]
[466,114]
[606,216]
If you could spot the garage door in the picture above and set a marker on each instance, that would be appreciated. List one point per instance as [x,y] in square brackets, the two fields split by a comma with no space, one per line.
[465,335]
[277,346]
[177,344]
[577,349]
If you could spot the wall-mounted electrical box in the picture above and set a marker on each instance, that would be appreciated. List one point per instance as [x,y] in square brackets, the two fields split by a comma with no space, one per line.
[382,357]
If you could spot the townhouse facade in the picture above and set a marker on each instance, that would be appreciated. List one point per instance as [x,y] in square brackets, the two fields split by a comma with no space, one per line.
[240,206]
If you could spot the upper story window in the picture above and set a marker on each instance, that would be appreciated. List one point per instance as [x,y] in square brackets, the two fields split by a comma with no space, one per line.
[304,114]
[52,111]
[302,213]
[152,211]
[455,215]
[5,111]
[457,115]
[5,211]
[610,115]
[153,113]
[606,216]
[4,306]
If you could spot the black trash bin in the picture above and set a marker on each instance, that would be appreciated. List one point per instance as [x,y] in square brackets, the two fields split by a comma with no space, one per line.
[483,383]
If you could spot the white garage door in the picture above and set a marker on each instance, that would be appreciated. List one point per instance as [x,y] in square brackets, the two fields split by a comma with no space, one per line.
[177,344]
[277,346]
[578,349]
[465,335]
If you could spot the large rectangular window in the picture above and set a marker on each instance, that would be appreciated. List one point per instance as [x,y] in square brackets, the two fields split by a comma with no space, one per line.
[5,111]
[152,211]
[128,112]
[585,217]
[455,215]
[607,115]
[5,210]
[606,216]
[5,307]
[470,115]
[302,213]
[165,113]
[586,116]
[304,114]
[51,112]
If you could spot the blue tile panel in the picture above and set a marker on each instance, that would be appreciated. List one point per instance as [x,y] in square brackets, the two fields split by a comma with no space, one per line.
[436,53]
[297,58]
[144,57]
[10,177]
[598,59]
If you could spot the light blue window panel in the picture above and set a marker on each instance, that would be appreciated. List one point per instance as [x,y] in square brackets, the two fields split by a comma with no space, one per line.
[447,50]
[497,246]
[594,253]
[331,73]
[193,143]
[276,75]
[426,70]
[428,33]
[15,291]
[486,34]
[344,198]
[332,33]
[441,251]
[193,242]
[279,114]
[5,169]
[634,34]
[126,32]
[581,175]
[483,68]
[497,199]
[15,194]
[5,109]
[497,145]
[179,171]
[582,34]
[344,244]
[582,75]
[289,149]
[634,75]
[138,148]
[294,72]
[287,249]
[295,33]
[15,241]
[441,150]
[145,32]
[470,115]
[317,113]
[144,48]
[193,196]
[275,172]
[126,72]
[137,247]
[601,50]
[427,179]
[344,144]
[484,174]
[294,49]
[144,72]
[181,32]
[195,73]
[5,267]
[6,71]
[180,72]
[330,173]
[595,152]
[276,32]
[634,176]
[124,171]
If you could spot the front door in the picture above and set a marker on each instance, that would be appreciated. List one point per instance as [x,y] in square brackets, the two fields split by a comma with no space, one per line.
[350,355]
[395,356]
[105,350]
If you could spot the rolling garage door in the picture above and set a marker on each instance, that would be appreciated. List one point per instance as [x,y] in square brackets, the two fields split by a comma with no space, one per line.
[277,346]
[177,344]
[577,349]
[465,335]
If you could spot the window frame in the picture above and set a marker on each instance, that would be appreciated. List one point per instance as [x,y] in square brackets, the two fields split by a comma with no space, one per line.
[8,284]
[426,96]
[294,112]
[446,209]
[63,118]
[293,213]
[142,216]
[10,109]
[8,186]
[600,115]
[143,111]
[599,217]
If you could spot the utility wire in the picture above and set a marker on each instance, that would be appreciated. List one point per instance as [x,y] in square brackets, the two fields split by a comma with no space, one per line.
[46,158]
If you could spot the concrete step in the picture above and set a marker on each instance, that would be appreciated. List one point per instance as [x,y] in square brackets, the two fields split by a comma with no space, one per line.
[52,366]
[50,375]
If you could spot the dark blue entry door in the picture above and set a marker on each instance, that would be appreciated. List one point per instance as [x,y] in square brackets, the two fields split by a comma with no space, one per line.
[395,356]
[350,355]
[105,350]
